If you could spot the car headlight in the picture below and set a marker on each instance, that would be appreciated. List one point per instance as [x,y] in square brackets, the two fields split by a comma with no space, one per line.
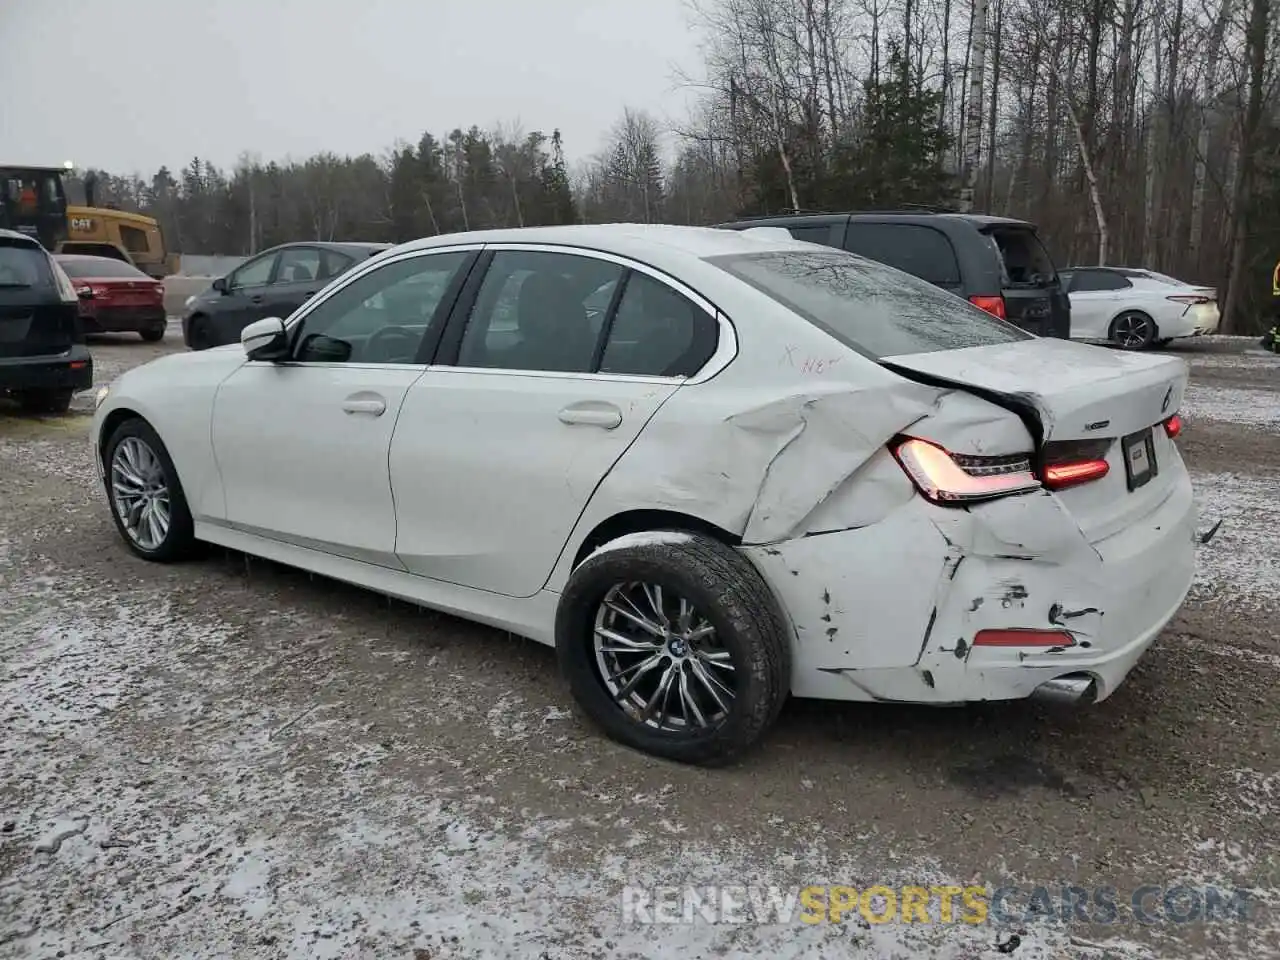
[100,395]
[189,301]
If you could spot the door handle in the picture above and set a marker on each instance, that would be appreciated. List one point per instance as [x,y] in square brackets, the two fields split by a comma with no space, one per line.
[256,299]
[593,413]
[374,406]
[308,296]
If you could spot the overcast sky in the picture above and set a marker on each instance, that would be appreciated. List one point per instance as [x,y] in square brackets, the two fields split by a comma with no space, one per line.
[140,83]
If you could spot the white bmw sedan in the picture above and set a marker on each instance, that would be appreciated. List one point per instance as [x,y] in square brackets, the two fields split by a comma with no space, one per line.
[711,468]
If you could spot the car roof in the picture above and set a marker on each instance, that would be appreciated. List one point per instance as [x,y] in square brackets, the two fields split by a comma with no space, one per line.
[12,235]
[979,220]
[633,239]
[342,246]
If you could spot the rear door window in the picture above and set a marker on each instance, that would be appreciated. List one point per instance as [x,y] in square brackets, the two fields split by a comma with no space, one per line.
[918,250]
[1085,281]
[865,305]
[658,332]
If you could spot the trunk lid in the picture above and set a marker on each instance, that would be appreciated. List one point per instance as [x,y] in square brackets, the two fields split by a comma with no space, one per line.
[1081,402]
[118,292]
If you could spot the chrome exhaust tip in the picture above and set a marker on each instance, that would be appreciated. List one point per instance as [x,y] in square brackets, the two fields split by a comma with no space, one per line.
[1073,688]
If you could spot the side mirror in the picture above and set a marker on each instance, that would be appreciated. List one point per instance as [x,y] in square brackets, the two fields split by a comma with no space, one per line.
[220,285]
[265,339]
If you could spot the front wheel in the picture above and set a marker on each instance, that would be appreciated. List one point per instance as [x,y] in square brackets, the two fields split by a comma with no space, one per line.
[1133,331]
[673,644]
[146,498]
[198,336]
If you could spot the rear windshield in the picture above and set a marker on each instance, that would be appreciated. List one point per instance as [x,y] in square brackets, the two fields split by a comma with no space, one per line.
[1024,262]
[24,267]
[876,310]
[100,267]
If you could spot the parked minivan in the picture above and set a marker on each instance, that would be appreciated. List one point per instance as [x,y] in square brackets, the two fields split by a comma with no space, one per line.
[995,263]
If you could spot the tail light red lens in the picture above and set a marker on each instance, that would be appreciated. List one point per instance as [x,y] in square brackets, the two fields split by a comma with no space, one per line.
[954,479]
[1059,475]
[1173,426]
[993,305]
[1190,299]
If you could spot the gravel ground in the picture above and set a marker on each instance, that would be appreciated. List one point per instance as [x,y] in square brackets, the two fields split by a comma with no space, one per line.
[233,759]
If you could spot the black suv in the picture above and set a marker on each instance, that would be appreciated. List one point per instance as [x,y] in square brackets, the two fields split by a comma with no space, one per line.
[995,263]
[43,359]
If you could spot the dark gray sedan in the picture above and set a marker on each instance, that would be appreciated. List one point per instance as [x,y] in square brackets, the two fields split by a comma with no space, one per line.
[272,284]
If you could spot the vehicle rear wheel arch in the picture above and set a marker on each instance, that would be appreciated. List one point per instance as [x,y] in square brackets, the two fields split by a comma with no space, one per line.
[636,521]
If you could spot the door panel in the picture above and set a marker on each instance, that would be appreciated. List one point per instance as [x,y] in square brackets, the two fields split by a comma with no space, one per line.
[302,453]
[1090,312]
[490,470]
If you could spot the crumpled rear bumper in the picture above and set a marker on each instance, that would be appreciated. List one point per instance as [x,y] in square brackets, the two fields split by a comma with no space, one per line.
[889,611]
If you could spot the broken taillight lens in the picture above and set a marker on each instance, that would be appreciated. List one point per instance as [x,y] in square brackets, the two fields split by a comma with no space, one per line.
[950,478]
[1023,637]
[1068,463]
[993,305]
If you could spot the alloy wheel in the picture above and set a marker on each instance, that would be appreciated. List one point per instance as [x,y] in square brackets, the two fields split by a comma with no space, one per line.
[1133,330]
[661,660]
[140,493]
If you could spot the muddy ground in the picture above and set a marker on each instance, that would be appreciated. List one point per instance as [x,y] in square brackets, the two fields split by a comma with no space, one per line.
[230,758]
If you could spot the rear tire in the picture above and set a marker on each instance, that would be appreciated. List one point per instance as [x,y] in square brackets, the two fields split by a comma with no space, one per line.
[715,641]
[46,401]
[152,334]
[139,472]
[1133,330]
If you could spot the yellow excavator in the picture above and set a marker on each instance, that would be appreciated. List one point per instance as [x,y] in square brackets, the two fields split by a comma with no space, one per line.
[33,200]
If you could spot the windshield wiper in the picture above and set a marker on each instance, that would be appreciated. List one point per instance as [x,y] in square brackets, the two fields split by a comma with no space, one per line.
[11,285]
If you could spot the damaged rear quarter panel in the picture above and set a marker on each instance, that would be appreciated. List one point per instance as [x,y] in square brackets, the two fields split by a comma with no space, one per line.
[859,598]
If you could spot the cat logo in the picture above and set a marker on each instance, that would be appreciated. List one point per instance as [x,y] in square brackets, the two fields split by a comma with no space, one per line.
[81,223]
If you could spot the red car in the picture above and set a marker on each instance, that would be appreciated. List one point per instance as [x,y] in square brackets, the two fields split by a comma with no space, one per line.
[116,296]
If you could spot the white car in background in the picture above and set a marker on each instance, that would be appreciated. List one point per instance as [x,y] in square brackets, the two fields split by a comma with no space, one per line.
[756,467]
[1134,309]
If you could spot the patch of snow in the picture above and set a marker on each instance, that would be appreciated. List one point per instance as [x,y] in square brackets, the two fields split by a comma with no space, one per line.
[1241,564]
[1257,408]
[210,819]
[644,538]
[1259,793]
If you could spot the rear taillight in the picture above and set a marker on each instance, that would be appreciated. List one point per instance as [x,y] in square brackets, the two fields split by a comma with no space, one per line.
[993,305]
[1190,300]
[953,479]
[158,289]
[1173,426]
[1061,475]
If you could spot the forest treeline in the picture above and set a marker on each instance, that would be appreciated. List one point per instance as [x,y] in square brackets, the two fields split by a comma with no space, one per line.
[1133,132]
